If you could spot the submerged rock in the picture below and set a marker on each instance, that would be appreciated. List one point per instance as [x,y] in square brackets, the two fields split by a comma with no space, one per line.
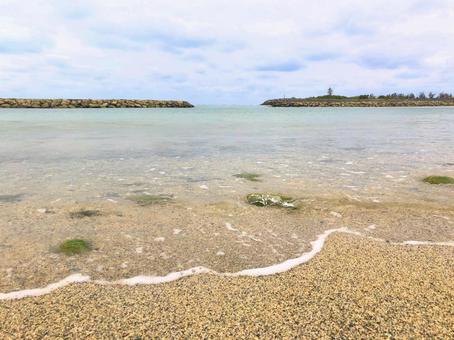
[146,199]
[270,200]
[74,247]
[439,180]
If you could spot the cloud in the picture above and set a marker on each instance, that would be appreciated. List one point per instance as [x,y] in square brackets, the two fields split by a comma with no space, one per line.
[410,75]
[140,38]
[322,56]
[19,39]
[287,66]
[388,62]
[224,51]
[23,46]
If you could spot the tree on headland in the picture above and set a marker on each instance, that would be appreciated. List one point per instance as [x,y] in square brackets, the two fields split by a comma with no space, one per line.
[367,96]
[395,96]
[444,96]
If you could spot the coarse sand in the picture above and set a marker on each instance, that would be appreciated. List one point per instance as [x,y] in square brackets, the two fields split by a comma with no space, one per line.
[355,288]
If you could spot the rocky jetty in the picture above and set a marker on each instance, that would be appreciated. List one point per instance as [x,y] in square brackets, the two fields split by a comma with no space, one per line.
[297,102]
[90,103]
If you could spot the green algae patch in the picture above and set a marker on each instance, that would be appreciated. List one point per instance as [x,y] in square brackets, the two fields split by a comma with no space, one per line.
[146,200]
[439,180]
[74,247]
[82,213]
[270,200]
[250,176]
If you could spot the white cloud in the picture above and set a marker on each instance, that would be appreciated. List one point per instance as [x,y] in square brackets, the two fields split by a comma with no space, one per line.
[223,51]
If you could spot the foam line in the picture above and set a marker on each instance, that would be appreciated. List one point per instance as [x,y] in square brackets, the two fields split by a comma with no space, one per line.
[154,280]
[316,248]
[20,294]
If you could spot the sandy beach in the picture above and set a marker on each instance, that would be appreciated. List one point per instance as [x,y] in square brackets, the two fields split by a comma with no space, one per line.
[354,288]
[386,273]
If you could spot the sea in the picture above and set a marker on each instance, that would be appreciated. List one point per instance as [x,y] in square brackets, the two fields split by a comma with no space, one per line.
[93,154]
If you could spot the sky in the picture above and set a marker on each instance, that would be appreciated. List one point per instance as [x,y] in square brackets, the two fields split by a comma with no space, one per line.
[224,52]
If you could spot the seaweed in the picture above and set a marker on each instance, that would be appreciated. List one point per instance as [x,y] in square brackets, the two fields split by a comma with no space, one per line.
[10,198]
[82,213]
[250,176]
[439,180]
[74,247]
[146,199]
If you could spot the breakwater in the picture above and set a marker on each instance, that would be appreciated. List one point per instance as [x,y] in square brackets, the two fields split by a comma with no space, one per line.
[289,102]
[91,103]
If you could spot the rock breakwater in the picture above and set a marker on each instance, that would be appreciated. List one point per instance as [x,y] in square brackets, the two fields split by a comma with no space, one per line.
[91,103]
[291,102]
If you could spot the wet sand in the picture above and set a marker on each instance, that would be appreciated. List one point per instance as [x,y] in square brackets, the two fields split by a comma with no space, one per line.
[356,287]
[131,240]
[370,282]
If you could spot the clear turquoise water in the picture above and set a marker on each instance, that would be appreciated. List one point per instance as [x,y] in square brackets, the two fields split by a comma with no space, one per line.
[89,154]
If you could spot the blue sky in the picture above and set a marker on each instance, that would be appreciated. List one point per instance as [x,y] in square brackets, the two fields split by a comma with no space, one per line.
[224,52]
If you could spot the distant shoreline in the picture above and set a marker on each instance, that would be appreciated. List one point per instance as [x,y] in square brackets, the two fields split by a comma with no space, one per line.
[91,103]
[303,102]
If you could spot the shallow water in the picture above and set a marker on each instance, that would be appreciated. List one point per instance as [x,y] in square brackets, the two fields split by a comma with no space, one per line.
[90,154]
[359,168]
